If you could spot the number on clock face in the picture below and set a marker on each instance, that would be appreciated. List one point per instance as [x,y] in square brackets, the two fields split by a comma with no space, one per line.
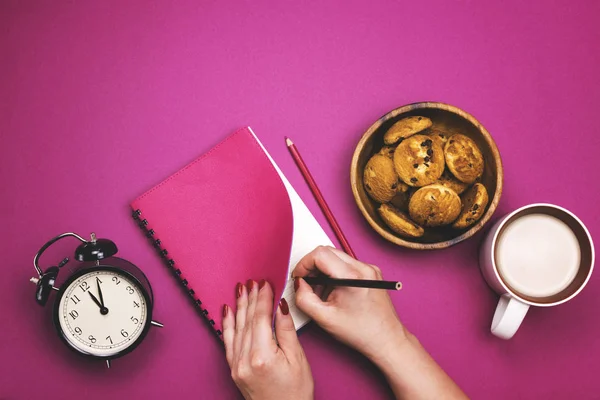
[102,313]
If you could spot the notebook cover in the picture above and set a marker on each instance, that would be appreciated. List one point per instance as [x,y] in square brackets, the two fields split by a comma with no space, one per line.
[307,235]
[224,218]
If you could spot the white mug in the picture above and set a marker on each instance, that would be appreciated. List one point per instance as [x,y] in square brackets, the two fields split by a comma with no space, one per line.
[522,258]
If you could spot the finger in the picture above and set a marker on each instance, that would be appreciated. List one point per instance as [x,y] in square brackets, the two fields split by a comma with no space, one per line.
[228,333]
[247,334]
[323,259]
[366,270]
[285,331]
[262,335]
[344,256]
[377,272]
[310,303]
[240,319]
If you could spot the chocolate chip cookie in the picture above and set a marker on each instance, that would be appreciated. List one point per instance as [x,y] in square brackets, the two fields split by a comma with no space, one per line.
[387,151]
[434,205]
[399,222]
[380,178]
[400,200]
[448,180]
[474,202]
[419,161]
[406,127]
[463,157]
[438,136]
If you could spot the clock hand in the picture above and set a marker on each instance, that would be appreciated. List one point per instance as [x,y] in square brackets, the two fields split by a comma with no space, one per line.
[95,300]
[103,310]
[100,292]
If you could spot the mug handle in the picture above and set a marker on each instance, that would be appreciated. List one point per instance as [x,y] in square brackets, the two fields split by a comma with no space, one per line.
[509,314]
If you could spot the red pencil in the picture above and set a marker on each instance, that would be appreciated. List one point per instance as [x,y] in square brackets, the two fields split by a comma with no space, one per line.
[319,197]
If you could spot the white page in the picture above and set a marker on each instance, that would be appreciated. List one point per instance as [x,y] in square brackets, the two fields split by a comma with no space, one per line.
[307,235]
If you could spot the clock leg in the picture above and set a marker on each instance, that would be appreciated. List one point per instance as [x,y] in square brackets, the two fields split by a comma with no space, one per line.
[108,364]
[156,323]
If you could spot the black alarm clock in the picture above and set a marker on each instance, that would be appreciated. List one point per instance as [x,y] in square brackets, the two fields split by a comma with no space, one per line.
[103,309]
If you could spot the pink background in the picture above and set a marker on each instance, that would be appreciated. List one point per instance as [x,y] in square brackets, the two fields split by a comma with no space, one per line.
[101,101]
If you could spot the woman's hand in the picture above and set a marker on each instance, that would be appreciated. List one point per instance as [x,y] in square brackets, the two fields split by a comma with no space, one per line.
[260,367]
[364,319]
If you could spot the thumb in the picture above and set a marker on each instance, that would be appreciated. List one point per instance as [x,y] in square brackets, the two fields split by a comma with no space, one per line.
[285,331]
[309,302]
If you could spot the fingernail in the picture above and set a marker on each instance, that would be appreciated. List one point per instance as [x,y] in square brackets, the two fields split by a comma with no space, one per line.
[225,310]
[261,284]
[238,289]
[285,310]
[250,284]
[296,283]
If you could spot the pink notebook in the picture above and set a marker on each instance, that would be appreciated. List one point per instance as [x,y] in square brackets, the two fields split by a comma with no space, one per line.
[227,217]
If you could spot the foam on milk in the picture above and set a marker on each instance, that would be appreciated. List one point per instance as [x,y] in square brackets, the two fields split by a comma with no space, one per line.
[538,255]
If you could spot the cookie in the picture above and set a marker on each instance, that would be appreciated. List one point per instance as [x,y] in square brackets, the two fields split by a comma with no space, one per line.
[400,200]
[387,151]
[380,178]
[404,128]
[464,159]
[438,136]
[474,202]
[434,205]
[399,222]
[402,187]
[419,161]
[448,180]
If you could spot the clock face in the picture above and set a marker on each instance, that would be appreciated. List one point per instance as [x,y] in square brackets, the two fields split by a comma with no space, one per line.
[102,312]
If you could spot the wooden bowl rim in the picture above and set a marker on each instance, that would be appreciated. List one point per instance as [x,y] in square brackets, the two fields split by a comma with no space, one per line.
[438,245]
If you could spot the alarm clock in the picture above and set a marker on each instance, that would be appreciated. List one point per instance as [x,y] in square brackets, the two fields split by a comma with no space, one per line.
[103,310]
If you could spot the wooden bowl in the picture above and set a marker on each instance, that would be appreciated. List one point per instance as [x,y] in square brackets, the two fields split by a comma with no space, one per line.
[446,118]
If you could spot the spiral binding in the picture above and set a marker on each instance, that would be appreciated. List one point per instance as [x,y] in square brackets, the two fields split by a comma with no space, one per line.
[156,243]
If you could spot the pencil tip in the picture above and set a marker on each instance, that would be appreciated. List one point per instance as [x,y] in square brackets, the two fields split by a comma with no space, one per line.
[288,141]
[398,285]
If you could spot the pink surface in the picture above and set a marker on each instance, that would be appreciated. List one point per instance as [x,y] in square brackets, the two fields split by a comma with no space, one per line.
[213,240]
[99,102]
